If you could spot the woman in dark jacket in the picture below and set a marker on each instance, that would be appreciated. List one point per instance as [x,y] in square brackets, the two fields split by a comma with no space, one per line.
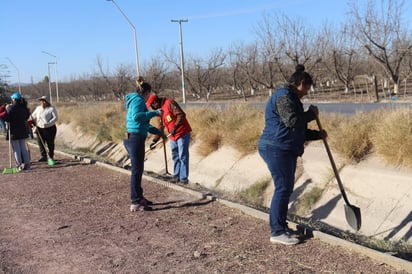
[281,142]
[17,115]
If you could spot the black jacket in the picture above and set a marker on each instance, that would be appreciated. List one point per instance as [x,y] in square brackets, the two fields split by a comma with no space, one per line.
[17,116]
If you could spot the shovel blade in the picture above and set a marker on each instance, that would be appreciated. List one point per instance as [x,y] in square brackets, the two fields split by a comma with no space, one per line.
[353,216]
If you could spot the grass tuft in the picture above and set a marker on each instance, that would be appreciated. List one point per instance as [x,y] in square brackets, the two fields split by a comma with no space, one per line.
[254,194]
[238,126]
[308,200]
[393,138]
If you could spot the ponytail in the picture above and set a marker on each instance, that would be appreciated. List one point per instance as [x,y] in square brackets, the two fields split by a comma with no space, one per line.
[142,86]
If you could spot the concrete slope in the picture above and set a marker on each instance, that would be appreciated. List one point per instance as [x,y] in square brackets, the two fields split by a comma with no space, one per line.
[380,190]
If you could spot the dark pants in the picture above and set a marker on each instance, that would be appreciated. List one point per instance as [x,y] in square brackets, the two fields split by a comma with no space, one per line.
[282,167]
[46,136]
[135,147]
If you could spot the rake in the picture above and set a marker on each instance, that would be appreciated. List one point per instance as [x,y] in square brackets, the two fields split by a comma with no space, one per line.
[10,170]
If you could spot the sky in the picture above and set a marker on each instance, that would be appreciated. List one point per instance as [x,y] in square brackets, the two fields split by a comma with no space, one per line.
[78,32]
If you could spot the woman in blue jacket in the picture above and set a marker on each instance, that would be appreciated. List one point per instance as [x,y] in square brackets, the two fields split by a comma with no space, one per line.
[138,126]
[281,142]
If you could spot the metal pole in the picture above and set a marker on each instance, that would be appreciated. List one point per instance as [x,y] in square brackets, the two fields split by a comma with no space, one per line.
[57,84]
[135,37]
[182,62]
[18,73]
[57,80]
[50,92]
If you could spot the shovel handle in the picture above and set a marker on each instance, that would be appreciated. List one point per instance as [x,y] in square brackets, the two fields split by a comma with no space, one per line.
[164,155]
[335,170]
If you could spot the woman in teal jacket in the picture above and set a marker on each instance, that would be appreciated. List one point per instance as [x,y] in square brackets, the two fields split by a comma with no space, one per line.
[138,126]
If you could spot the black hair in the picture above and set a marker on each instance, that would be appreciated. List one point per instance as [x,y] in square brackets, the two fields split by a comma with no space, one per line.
[300,75]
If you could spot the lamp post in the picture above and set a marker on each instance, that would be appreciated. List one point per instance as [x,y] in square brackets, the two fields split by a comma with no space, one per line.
[57,81]
[18,72]
[135,37]
[50,92]
[182,62]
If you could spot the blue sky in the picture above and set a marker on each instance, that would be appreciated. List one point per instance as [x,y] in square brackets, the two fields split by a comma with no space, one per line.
[77,31]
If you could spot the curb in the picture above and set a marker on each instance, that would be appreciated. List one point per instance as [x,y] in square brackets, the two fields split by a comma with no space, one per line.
[397,263]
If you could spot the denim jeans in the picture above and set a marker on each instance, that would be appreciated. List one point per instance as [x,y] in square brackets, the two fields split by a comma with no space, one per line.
[3,126]
[180,156]
[282,167]
[135,147]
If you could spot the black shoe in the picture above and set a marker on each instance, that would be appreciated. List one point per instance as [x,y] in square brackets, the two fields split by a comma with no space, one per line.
[42,159]
[145,202]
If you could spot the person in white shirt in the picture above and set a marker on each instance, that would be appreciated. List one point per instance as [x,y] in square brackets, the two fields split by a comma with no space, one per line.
[44,118]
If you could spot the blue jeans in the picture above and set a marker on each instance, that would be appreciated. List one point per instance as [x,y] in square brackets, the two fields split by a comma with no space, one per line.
[180,156]
[282,167]
[3,126]
[135,148]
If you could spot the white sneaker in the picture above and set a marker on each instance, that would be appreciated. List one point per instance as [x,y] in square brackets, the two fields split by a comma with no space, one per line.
[284,239]
[135,207]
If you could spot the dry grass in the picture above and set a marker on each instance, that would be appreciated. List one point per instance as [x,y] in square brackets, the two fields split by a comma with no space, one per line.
[351,139]
[106,121]
[392,140]
[389,133]
[207,128]
[237,125]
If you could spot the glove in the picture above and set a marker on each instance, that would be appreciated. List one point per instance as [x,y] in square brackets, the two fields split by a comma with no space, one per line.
[173,132]
[153,144]
[31,123]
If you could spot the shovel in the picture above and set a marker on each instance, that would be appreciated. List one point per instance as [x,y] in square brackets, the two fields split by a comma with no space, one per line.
[352,213]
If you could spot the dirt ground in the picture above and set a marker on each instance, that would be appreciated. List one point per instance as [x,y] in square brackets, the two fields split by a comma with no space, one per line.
[74,218]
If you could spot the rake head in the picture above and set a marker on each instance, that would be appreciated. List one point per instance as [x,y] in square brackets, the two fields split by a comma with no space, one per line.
[10,170]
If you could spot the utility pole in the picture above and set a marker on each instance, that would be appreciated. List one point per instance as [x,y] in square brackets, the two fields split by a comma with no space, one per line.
[182,62]
[57,79]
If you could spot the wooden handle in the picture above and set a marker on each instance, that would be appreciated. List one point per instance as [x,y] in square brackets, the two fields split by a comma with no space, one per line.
[335,170]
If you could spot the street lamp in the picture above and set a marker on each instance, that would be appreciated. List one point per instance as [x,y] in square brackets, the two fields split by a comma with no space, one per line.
[48,69]
[135,37]
[18,72]
[182,62]
[57,81]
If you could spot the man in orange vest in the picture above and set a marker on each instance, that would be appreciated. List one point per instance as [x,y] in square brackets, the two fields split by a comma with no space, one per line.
[173,118]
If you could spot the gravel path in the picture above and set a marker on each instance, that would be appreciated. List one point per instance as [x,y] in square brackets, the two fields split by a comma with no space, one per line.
[74,218]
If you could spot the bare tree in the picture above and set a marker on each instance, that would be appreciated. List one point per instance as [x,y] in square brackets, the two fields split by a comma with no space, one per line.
[246,62]
[204,77]
[156,73]
[342,58]
[381,32]
[286,42]
[237,79]
[121,82]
